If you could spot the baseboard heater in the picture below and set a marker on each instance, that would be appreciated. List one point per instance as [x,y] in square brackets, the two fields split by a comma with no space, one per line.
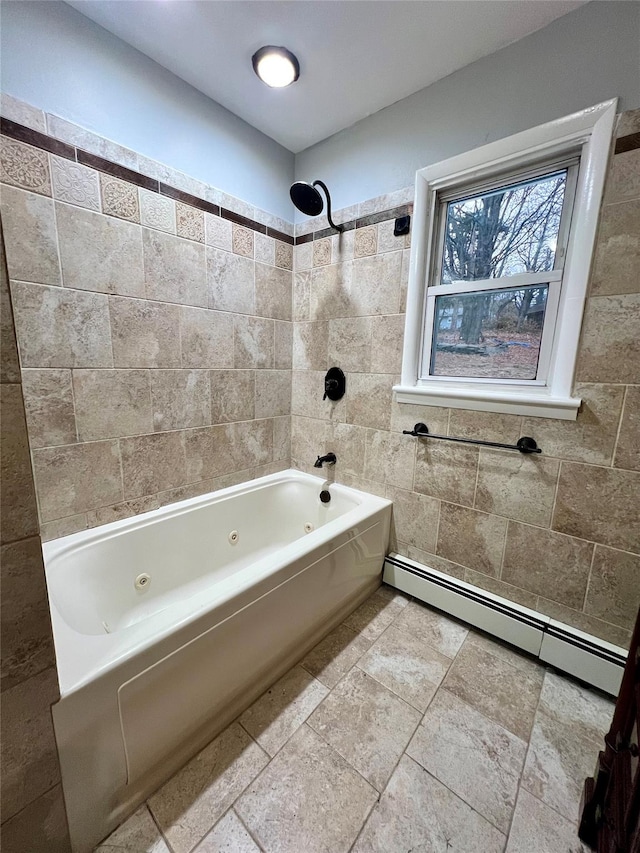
[584,656]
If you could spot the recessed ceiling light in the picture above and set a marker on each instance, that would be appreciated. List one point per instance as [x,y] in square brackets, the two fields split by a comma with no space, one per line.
[276,66]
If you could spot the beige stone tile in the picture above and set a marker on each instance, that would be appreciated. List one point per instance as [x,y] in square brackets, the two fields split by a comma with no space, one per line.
[432,628]
[157,211]
[366,724]
[600,504]
[471,539]
[547,563]
[189,222]
[610,348]
[366,241]
[119,198]
[124,509]
[174,269]
[567,701]
[532,819]
[29,757]
[498,587]
[385,202]
[273,393]
[369,400]
[334,656]
[99,253]
[406,415]
[617,258]
[264,248]
[19,513]
[623,178]
[138,833]
[232,395]
[435,562]
[515,657]
[73,479]
[242,241]
[589,624]
[73,134]
[215,451]
[63,526]
[375,614]
[517,485]
[29,226]
[330,292]
[487,426]
[152,463]
[405,665]
[206,338]
[283,345]
[230,281]
[282,439]
[204,487]
[614,587]
[274,292]
[416,812]
[191,802]
[387,242]
[286,808]
[75,183]
[229,835]
[348,443]
[303,256]
[389,459]
[236,205]
[628,122]
[491,685]
[474,757]
[27,641]
[279,712]
[310,343]
[218,232]
[590,438]
[145,334]
[24,166]
[321,252]
[349,344]
[181,399]
[387,336]
[112,403]
[168,175]
[446,471]
[283,255]
[558,762]
[253,344]
[628,446]
[415,518]
[41,827]
[21,112]
[9,361]
[61,328]
[376,284]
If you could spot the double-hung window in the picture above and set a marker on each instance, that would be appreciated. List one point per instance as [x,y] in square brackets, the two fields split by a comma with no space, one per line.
[501,250]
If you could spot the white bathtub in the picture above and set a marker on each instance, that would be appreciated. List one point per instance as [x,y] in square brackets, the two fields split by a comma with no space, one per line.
[241,583]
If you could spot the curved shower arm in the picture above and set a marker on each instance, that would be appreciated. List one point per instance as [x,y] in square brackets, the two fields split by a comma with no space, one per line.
[326,192]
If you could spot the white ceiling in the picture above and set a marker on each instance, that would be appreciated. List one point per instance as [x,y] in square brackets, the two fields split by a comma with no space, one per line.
[356,56]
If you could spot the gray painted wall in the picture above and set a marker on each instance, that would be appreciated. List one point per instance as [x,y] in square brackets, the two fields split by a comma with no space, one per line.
[58,60]
[585,57]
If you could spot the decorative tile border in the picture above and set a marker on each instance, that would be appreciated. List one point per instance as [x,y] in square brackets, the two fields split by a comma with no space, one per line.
[42,141]
[360,222]
[627,143]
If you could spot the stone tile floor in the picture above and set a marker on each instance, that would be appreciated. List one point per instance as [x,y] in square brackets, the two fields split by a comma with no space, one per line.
[401,732]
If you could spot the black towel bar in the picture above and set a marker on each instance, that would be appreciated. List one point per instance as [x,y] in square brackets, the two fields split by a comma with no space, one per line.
[524,444]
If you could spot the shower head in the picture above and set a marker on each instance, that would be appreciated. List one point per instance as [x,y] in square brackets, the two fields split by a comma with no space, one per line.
[309,201]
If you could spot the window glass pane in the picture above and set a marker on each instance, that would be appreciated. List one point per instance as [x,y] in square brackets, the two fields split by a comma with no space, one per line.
[491,334]
[504,232]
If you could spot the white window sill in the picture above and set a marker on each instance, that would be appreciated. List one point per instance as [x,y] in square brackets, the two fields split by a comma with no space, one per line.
[533,403]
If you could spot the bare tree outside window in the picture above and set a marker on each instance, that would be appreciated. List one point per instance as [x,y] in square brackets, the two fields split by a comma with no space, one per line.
[498,234]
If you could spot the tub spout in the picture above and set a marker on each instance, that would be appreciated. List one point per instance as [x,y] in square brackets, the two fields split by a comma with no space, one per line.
[329,459]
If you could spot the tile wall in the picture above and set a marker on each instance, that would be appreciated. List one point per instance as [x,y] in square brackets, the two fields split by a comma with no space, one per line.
[558,532]
[154,327]
[33,816]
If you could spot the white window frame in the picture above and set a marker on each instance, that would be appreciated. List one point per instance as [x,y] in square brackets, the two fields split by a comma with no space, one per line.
[588,134]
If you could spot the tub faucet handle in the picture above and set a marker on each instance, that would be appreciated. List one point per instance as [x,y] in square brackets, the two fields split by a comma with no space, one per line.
[329,458]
